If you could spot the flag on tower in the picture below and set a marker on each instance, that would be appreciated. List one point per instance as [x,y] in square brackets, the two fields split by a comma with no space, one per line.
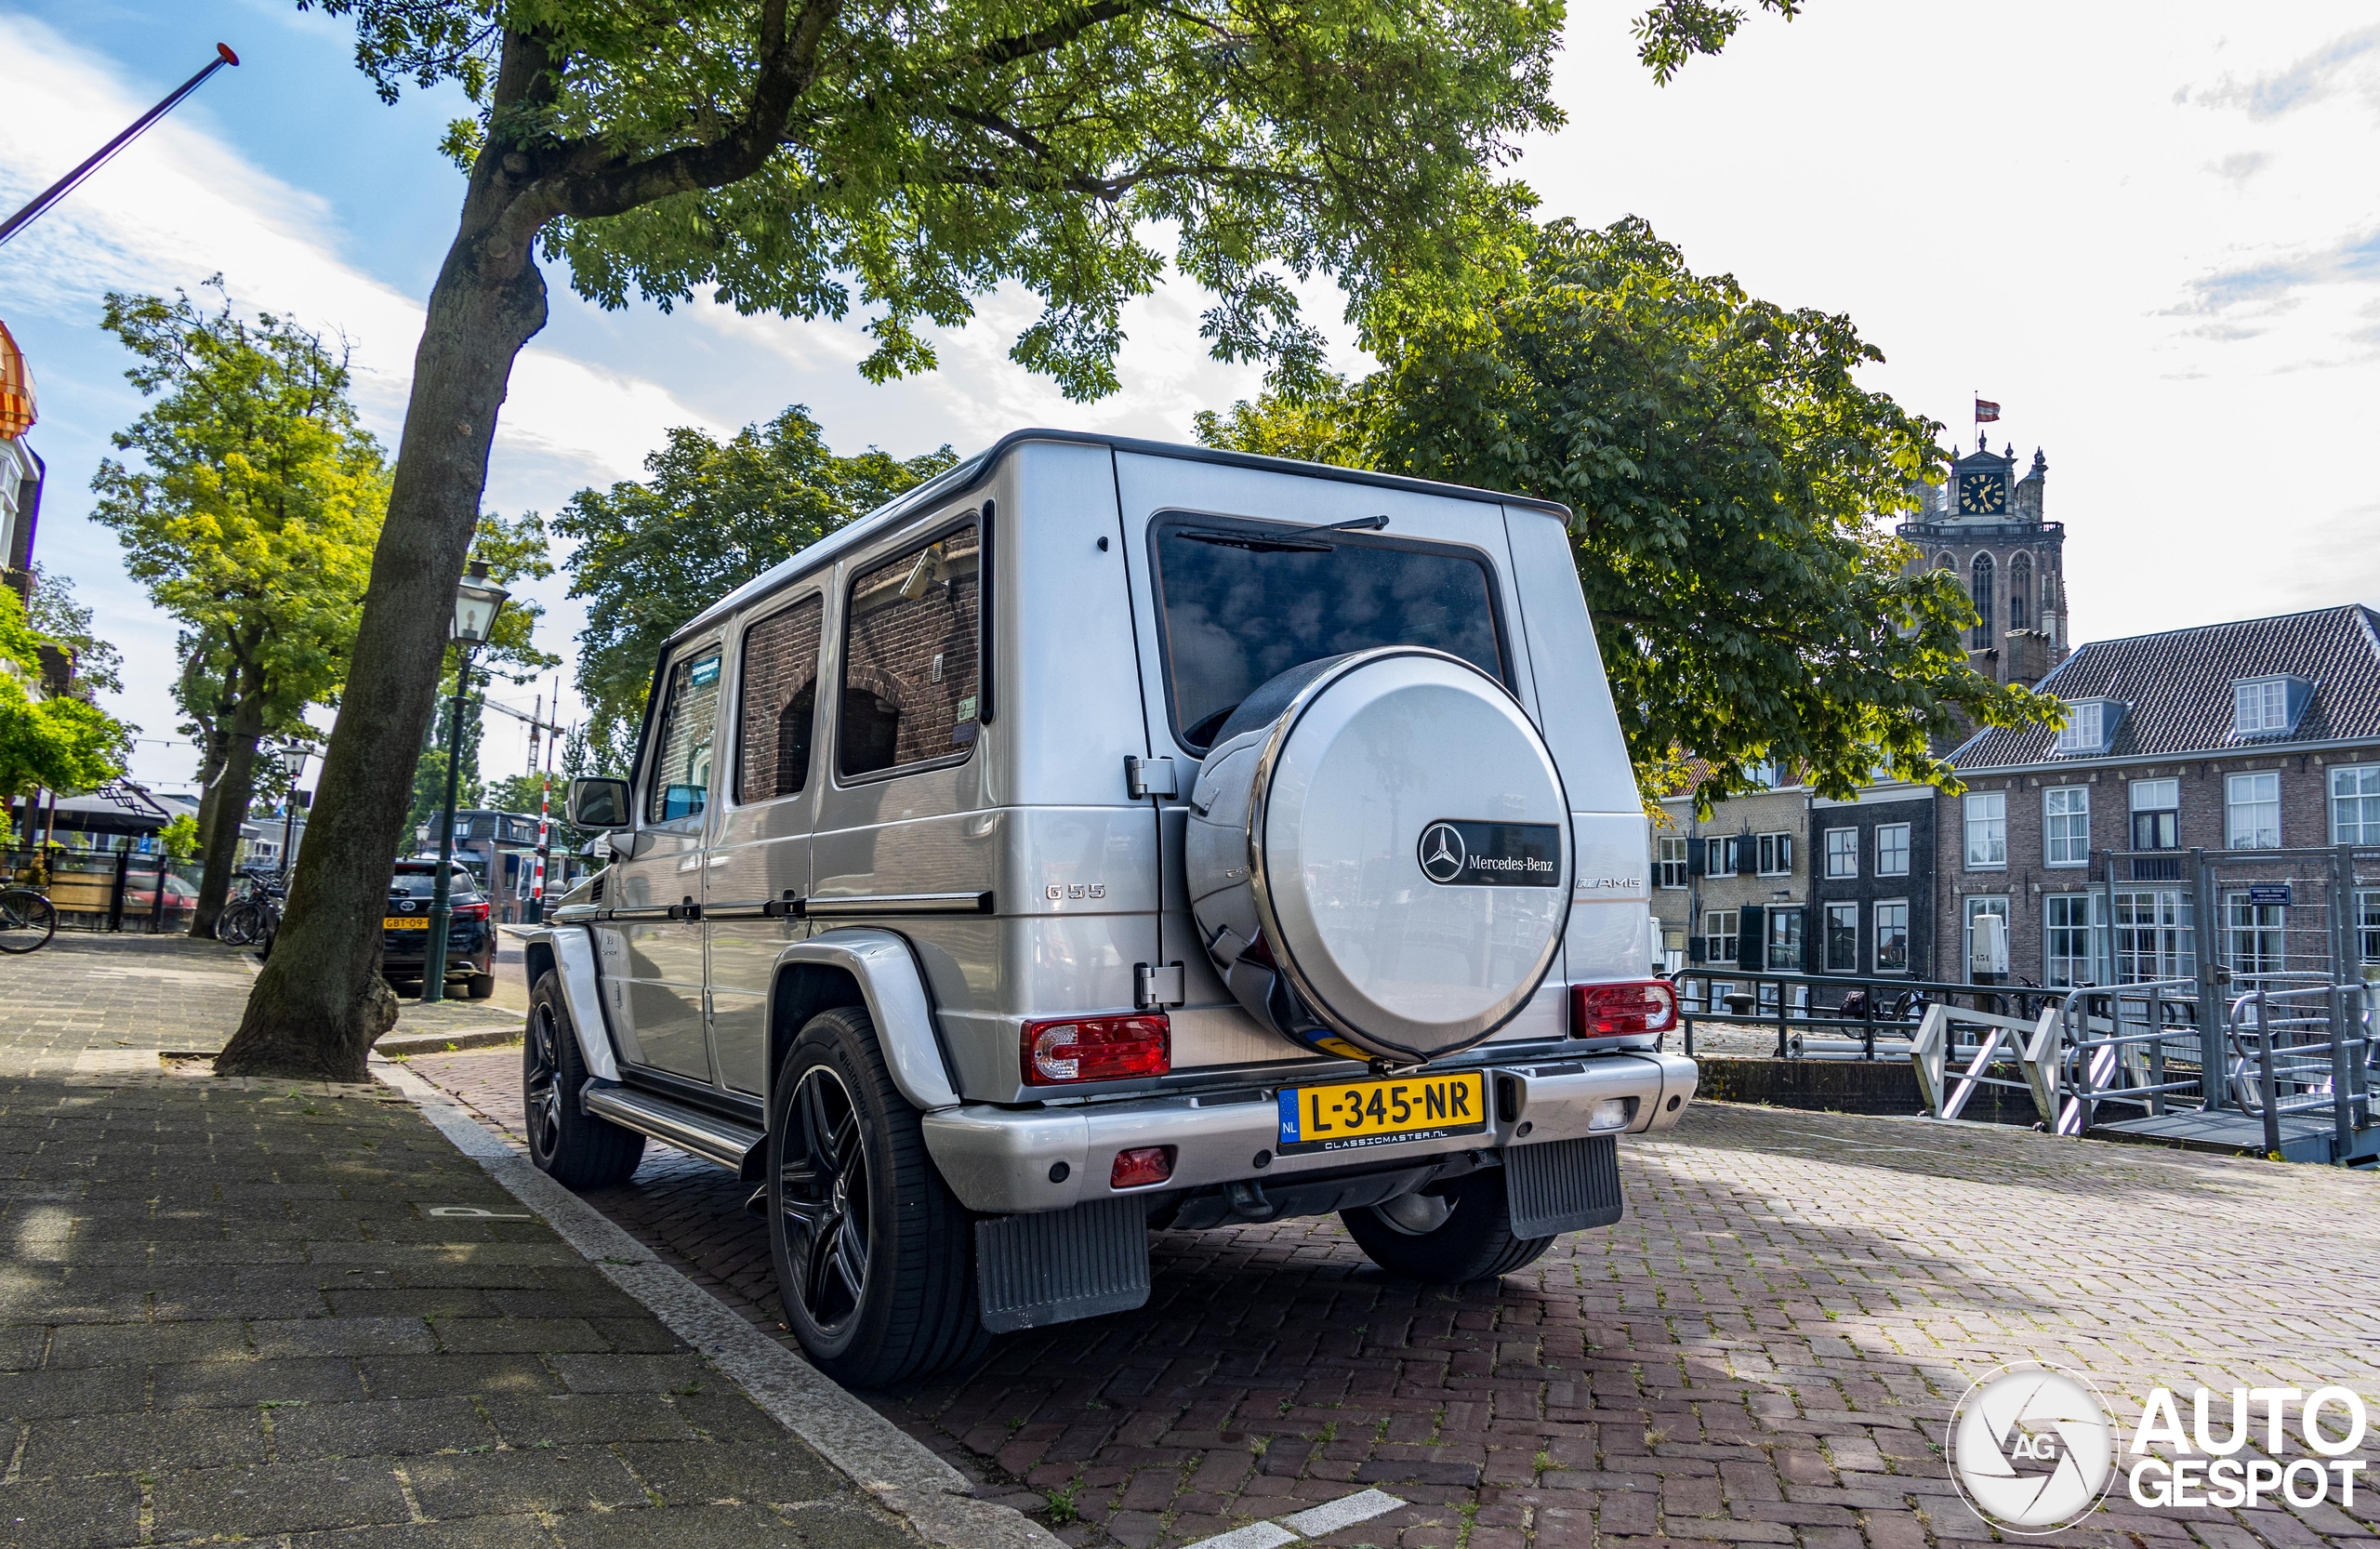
[1986,411]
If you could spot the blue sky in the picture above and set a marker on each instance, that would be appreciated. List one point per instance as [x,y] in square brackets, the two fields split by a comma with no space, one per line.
[2152,231]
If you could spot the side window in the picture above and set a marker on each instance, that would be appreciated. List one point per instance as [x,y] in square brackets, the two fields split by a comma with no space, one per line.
[779,689]
[911,674]
[680,779]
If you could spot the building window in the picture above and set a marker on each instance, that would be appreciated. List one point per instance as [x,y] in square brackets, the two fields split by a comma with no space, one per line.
[2085,727]
[1987,830]
[1762,774]
[1785,940]
[2152,932]
[2260,705]
[1892,849]
[1842,852]
[2354,804]
[1983,591]
[2367,928]
[1976,909]
[2020,593]
[1672,860]
[1843,938]
[1719,944]
[1720,856]
[2252,811]
[2074,938]
[2253,934]
[1775,854]
[1892,936]
[2156,816]
[2066,825]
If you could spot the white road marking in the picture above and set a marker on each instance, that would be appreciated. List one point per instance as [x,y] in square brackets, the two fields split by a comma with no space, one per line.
[1312,1522]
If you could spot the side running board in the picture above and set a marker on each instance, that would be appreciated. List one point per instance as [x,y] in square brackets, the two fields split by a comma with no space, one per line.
[722,1142]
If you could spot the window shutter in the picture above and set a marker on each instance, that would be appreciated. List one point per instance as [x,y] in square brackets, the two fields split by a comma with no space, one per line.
[1751,939]
[1694,862]
[1694,948]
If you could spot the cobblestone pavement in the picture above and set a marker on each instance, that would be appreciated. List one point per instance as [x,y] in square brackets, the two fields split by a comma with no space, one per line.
[1766,1351]
[261,1311]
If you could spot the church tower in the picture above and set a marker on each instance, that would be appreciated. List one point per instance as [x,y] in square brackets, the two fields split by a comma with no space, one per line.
[1985,526]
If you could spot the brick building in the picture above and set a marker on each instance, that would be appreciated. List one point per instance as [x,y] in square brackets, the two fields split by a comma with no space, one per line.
[2262,734]
[1735,889]
[1872,882]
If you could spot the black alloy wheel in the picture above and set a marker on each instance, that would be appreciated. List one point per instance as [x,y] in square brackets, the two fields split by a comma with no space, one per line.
[568,1144]
[823,1198]
[541,1079]
[874,1255]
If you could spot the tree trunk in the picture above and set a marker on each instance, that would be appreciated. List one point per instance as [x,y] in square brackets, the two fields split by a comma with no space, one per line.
[222,851]
[319,1003]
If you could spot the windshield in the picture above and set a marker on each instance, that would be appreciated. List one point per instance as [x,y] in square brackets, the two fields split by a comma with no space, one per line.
[421,885]
[1240,602]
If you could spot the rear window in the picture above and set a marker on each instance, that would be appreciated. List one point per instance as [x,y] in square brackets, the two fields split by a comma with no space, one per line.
[1240,602]
[421,885]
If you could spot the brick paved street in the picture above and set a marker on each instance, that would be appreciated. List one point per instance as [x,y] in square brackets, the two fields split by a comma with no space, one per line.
[1764,1351]
[240,1310]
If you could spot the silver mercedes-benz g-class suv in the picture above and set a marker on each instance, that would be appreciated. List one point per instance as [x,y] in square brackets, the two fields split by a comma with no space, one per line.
[1109,837]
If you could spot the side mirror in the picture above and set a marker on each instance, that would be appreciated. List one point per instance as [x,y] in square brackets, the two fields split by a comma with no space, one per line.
[599,803]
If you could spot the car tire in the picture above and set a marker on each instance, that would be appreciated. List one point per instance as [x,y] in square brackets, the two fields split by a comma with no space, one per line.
[478,987]
[572,1146]
[1460,1231]
[874,1255]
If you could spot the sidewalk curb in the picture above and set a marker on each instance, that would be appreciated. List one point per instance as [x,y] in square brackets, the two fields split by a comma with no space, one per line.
[396,1043]
[898,1469]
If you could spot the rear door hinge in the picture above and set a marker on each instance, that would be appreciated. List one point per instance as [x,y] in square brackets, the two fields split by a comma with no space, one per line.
[1155,986]
[1147,777]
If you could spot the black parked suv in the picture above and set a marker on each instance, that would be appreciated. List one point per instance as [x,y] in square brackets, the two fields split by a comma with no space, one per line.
[404,939]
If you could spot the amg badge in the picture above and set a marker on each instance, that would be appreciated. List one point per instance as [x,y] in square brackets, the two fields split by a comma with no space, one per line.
[1454,853]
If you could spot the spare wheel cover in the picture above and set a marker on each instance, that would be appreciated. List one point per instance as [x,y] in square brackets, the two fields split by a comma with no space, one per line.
[1409,852]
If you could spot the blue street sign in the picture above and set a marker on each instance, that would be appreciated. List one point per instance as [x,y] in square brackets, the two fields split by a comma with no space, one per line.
[2269,893]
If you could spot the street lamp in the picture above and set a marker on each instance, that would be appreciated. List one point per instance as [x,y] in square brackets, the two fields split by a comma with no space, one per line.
[477,602]
[300,752]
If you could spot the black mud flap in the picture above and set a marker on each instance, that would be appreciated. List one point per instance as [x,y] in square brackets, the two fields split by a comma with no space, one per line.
[1563,1185]
[1035,1270]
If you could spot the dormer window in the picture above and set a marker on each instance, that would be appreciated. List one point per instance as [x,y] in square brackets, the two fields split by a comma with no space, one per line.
[2268,706]
[2090,726]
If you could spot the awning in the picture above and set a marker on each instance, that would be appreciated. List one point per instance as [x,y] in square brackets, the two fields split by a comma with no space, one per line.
[16,411]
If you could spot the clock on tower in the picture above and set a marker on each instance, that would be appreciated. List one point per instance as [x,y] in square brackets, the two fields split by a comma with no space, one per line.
[1983,492]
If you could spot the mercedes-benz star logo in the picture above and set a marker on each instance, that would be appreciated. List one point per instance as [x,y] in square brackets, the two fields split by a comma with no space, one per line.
[2032,1448]
[1442,852]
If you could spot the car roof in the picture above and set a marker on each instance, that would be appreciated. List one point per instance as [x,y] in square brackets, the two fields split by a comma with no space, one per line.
[966,474]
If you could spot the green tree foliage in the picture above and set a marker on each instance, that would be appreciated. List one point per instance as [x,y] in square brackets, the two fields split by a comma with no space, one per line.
[250,513]
[179,839]
[60,742]
[710,516]
[1732,482]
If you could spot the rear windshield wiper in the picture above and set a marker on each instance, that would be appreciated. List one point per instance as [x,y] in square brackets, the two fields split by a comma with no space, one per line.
[1285,541]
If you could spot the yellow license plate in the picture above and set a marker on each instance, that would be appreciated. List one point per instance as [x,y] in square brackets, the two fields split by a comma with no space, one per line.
[404,922]
[1353,1114]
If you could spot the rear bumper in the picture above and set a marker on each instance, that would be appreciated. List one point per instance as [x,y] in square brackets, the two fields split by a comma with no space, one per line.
[472,954]
[1001,1160]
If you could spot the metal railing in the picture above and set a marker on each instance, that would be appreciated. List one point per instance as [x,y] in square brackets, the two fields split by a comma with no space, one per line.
[2308,1047]
[1839,1016]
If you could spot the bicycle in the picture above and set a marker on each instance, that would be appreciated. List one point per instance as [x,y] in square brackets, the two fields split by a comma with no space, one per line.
[253,915]
[27,920]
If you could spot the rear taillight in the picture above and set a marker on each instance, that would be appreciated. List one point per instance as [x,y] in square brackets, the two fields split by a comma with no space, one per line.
[1140,1166]
[1096,1049]
[1630,1010]
[470,911]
